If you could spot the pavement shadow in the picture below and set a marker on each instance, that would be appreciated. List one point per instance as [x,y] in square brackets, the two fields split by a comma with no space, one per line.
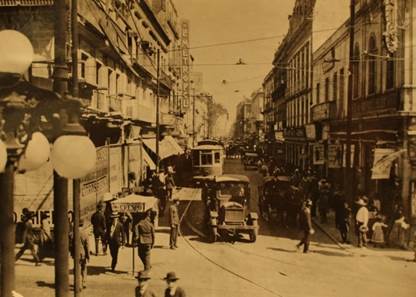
[44,284]
[281,250]
[401,259]
[330,253]
[96,270]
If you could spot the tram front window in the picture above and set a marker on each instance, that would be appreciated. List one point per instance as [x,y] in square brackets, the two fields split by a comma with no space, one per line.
[217,158]
[206,158]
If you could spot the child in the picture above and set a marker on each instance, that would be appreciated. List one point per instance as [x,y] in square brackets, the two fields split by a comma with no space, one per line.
[378,232]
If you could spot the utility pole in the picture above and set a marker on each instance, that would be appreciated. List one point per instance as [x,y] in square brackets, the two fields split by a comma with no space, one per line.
[157,112]
[76,182]
[348,172]
[193,118]
[60,185]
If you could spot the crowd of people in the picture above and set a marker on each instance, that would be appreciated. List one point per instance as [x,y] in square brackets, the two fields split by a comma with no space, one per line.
[313,196]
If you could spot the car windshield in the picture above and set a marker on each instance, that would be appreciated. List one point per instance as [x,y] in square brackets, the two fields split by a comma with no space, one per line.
[233,189]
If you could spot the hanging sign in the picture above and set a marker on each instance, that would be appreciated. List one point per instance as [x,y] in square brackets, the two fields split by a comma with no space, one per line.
[334,156]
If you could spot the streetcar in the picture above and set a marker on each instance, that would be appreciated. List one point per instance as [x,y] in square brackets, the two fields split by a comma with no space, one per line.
[207,159]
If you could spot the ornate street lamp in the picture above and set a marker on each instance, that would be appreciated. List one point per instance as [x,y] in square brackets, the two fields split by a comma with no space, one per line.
[23,110]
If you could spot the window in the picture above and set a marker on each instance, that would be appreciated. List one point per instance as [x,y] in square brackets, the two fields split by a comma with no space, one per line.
[206,158]
[372,65]
[83,63]
[341,91]
[97,73]
[327,89]
[356,71]
[390,74]
[217,158]
[318,93]
[335,87]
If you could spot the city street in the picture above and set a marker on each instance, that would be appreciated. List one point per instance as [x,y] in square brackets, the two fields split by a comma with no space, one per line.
[269,267]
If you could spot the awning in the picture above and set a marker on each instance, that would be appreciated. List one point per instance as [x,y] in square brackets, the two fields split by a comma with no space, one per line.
[134,203]
[149,160]
[383,158]
[167,147]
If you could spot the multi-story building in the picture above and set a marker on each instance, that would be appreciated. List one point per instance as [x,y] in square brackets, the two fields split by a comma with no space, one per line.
[243,121]
[256,118]
[268,113]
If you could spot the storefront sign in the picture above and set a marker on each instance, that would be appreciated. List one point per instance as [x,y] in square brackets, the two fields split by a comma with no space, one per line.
[318,154]
[310,132]
[334,156]
[383,159]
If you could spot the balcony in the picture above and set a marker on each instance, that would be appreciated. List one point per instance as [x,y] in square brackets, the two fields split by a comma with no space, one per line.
[376,105]
[324,111]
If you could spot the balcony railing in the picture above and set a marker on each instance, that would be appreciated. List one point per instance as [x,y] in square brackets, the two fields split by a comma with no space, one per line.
[324,111]
[378,104]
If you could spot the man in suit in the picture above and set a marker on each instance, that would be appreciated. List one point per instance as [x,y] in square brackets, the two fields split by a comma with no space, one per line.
[28,237]
[115,239]
[173,290]
[174,223]
[306,224]
[84,253]
[144,233]
[142,290]
[99,228]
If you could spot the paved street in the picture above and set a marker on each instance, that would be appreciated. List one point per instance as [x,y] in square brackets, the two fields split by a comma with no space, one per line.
[269,267]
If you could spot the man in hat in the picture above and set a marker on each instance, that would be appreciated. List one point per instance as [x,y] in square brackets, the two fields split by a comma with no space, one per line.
[144,233]
[361,222]
[99,228]
[84,253]
[170,182]
[174,223]
[324,198]
[142,290]
[115,239]
[28,237]
[173,290]
[306,225]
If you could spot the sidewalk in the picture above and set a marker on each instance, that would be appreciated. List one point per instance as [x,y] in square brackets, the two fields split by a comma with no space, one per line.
[331,231]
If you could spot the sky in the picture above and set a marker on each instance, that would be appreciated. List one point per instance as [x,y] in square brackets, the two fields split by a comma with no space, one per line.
[222,21]
[219,21]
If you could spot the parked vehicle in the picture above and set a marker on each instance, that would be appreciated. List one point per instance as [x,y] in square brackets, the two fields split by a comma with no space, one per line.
[229,208]
[275,200]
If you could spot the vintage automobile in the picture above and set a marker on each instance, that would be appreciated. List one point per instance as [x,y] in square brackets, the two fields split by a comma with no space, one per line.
[228,204]
[275,197]
[250,160]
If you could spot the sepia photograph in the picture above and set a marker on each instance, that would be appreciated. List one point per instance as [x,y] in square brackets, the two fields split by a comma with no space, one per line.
[207,148]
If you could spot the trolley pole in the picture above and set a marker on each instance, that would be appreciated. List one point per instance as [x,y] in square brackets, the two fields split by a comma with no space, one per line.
[158,112]
[76,182]
[348,161]
[60,185]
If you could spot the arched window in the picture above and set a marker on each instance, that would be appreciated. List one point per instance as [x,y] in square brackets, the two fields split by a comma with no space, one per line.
[356,71]
[372,65]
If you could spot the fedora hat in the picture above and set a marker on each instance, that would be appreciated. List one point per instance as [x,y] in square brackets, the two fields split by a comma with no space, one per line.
[143,275]
[114,214]
[361,202]
[171,276]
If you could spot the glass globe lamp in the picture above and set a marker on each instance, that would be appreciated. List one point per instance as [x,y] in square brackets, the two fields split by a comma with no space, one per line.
[3,156]
[16,52]
[36,154]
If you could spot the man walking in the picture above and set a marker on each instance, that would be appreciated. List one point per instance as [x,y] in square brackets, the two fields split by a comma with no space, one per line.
[28,237]
[173,290]
[115,239]
[306,224]
[174,223]
[142,290]
[361,223]
[145,237]
[84,253]
[170,183]
[99,228]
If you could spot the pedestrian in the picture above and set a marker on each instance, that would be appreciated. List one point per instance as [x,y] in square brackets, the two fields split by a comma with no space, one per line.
[29,241]
[342,217]
[174,223]
[306,225]
[145,238]
[126,220]
[361,222]
[142,289]
[162,193]
[115,239]
[84,253]
[98,222]
[314,192]
[170,182]
[173,290]
[378,227]
[324,198]
[45,228]
[399,231]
